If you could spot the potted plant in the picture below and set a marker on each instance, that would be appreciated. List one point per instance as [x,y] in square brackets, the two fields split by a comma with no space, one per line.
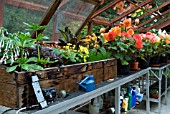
[124,44]
[154,93]
[146,52]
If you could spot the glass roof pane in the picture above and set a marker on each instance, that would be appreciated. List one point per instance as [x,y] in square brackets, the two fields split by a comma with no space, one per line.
[18,11]
[72,14]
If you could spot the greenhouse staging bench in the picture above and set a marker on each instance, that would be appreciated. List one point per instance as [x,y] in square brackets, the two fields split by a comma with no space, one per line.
[79,97]
[159,72]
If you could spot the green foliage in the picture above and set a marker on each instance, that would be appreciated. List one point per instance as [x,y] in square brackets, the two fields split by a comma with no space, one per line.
[25,64]
[122,49]
[39,37]
[68,37]
[71,55]
[100,54]
[154,91]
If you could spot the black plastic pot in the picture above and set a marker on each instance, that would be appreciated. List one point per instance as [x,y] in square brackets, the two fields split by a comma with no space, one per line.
[144,63]
[123,69]
[163,59]
[154,60]
[168,56]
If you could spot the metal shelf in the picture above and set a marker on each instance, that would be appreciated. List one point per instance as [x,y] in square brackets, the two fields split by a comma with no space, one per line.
[79,97]
[159,76]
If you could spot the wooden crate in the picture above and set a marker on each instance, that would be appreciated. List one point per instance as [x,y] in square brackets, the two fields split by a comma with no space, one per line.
[16,89]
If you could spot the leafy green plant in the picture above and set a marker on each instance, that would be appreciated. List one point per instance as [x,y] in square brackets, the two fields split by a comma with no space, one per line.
[39,37]
[100,54]
[121,49]
[154,91]
[22,41]
[25,64]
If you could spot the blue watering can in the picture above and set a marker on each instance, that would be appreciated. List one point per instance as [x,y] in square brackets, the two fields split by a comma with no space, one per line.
[87,84]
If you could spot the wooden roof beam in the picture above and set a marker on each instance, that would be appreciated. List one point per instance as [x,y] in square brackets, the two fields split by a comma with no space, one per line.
[105,8]
[140,7]
[97,21]
[154,25]
[156,9]
[48,15]
[26,5]
[150,20]
[131,11]
[163,25]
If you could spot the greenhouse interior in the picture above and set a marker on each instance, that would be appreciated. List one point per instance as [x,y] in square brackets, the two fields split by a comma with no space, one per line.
[85,56]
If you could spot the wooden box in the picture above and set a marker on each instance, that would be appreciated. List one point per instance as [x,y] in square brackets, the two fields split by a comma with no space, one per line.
[16,89]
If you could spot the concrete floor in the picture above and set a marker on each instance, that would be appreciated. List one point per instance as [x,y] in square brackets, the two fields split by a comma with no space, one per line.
[141,109]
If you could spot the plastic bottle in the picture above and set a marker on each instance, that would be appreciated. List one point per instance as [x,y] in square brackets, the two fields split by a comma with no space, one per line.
[100,101]
[129,96]
[94,106]
[127,99]
[133,98]
[124,105]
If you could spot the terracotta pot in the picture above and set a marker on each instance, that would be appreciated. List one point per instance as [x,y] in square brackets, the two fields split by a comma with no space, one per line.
[155,96]
[134,66]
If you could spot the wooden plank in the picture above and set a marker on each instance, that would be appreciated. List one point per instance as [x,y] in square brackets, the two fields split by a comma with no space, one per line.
[2,13]
[151,12]
[150,20]
[26,5]
[48,15]
[130,11]
[105,8]
[8,96]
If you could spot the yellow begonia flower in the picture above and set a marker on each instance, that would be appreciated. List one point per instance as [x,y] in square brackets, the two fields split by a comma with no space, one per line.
[81,48]
[134,15]
[139,10]
[69,44]
[85,58]
[94,37]
[86,51]
[67,47]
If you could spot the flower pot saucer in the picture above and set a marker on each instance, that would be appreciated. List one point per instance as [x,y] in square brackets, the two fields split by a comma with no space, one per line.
[135,69]
[168,61]
[155,65]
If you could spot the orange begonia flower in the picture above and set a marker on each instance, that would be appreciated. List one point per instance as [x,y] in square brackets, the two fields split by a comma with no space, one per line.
[127,22]
[106,36]
[117,30]
[130,32]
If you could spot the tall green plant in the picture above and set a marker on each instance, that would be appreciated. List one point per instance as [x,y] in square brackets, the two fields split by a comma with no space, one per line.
[39,40]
